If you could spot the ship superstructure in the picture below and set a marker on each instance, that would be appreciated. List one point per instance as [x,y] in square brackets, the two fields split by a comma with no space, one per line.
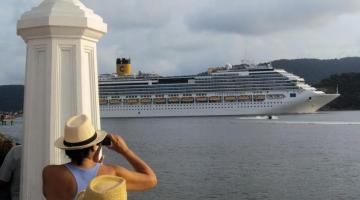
[243,89]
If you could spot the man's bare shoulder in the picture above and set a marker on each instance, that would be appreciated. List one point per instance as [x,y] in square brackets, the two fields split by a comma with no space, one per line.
[54,167]
[50,169]
[106,169]
[58,180]
[57,172]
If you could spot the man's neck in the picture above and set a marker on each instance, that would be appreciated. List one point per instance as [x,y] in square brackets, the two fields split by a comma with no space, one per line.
[87,163]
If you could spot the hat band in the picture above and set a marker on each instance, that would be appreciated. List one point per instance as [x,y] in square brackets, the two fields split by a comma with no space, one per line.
[85,142]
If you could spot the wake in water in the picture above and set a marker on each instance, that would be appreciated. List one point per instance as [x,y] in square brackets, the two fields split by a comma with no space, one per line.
[315,122]
[268,117]
[275,120]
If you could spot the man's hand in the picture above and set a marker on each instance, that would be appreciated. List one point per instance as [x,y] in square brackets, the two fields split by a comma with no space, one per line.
[118,144]
[143,177]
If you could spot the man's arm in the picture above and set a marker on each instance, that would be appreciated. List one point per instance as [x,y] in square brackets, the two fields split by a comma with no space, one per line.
[7,168]
[143,178]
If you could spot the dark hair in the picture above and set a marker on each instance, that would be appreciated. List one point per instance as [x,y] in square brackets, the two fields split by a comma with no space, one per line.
[78,155]
[5,145]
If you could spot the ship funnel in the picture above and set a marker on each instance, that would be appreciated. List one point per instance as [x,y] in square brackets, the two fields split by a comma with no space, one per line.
[123,66]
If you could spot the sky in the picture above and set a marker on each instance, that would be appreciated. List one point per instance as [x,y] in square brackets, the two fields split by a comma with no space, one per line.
[179,37]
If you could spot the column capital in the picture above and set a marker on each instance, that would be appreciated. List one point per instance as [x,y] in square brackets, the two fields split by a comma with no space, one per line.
[61,14]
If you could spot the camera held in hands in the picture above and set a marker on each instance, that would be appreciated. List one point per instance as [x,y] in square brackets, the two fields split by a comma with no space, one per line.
[106,141]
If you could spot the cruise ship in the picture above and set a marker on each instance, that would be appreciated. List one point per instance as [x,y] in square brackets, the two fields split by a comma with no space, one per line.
[244,89]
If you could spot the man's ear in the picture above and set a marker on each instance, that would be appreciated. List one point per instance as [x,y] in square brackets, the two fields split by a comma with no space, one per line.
[94,148]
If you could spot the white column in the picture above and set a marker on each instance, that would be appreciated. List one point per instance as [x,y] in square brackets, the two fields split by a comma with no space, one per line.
[61,80]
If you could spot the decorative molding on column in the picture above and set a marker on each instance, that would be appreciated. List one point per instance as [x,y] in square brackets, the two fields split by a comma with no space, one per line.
[60,32]
[35,125]
[86,83]
[68,68]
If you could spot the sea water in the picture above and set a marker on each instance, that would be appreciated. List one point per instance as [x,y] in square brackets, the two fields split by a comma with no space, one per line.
[311,156]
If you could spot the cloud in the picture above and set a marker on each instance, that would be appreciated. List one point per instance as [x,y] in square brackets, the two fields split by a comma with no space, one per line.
[12,57]
[126,15]
[12,61]
[171,50]
[185,36]
[259,17]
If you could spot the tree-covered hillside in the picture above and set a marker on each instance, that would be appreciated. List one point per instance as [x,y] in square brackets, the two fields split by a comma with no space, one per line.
[314,70]
[11,98]
[348,86]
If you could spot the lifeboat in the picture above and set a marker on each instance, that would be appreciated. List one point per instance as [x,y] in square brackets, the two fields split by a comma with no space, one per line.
[173,100]
[145,101]
[214,99]
[201,99]
[244,98]
[103,101]
[230,98]
[131,101]
[115,101]
[259,97]
[160,100]
[187,99]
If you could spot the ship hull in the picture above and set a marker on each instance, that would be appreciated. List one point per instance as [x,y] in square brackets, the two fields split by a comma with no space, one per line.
[304,102]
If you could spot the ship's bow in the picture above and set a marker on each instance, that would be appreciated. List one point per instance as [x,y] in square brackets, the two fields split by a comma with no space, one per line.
[320,99]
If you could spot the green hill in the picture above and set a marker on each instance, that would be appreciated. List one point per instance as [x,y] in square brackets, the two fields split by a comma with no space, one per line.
[348,85]
[11,98]
[314,70]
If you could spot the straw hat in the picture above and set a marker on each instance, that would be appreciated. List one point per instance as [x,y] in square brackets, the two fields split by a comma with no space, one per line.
[105,187]
[79,134]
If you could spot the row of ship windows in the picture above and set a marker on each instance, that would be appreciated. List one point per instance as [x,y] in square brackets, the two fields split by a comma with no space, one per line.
[259,106]
[189,90]
[235,79]
[104,93]
[186,85]
[213,84]
[197,87]
[201,85]
[244,81]
[191,103]
[184,106]
[206,83]
[250,74]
